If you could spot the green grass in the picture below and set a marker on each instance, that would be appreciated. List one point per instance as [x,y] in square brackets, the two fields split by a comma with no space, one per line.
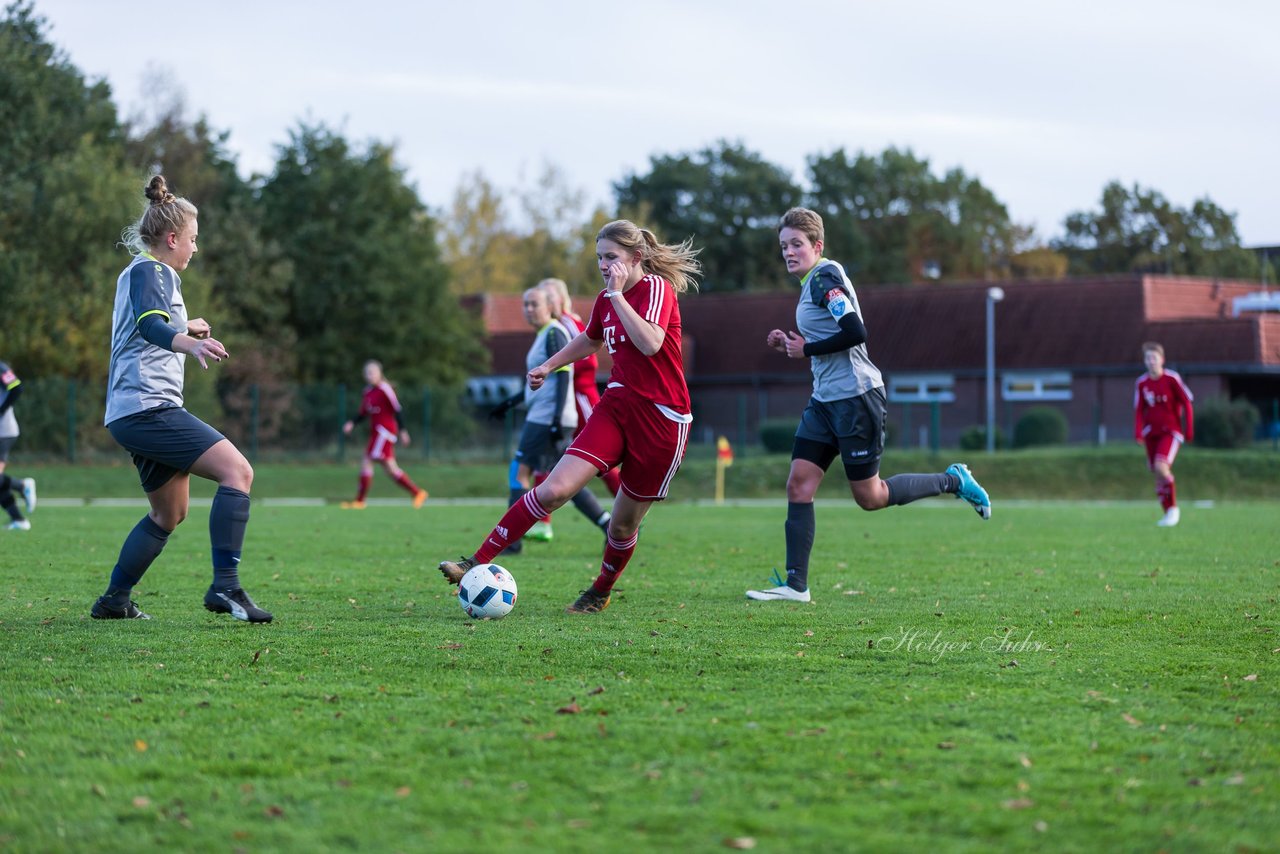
[1114,472]
[374,715]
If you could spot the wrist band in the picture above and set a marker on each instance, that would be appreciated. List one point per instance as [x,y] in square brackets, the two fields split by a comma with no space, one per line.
[608,294]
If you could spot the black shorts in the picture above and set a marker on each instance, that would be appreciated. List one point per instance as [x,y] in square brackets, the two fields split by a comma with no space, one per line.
[852,428]
[537,449]
[6,442]
[163,441]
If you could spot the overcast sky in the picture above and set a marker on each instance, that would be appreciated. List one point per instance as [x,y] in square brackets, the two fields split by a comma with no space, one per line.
[1043,101]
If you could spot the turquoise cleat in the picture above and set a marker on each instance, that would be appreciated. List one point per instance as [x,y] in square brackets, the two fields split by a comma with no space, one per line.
[970,490]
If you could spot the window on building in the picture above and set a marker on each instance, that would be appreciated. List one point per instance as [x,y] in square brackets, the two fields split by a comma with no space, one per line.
[922,388]
[1043,385]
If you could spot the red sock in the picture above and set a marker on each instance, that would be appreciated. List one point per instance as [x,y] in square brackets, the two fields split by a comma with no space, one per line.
[1165,491]
[538,478]
[408,484]
[612,481]
[1173,495]
[616,556]
[365,480]
[515,523]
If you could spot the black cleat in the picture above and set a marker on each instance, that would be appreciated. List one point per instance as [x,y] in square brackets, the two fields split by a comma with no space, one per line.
[236,603]
[590,602]
[104,610]
[454,570]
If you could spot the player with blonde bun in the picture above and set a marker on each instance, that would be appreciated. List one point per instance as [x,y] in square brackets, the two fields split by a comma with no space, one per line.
[150,340]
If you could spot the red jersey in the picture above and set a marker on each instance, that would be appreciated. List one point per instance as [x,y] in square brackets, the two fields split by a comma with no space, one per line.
[379,403]
[584,370]
[660,377]
[1159,404]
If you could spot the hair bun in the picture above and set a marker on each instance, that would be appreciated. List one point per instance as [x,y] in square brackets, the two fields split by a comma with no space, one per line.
[158,191]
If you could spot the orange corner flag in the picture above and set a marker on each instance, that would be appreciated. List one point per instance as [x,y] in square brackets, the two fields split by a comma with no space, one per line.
[724,452]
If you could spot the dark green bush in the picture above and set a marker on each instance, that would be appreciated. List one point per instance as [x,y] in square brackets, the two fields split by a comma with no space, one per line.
[776,434]
[1040,425]
[975,438]
[1225,424]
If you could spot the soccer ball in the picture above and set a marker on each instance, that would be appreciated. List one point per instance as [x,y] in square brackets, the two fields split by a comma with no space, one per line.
[487,592]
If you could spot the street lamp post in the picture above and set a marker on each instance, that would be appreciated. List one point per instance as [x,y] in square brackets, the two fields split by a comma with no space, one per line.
[994,295]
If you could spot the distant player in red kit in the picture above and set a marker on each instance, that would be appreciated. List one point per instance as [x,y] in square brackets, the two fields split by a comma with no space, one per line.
[380,405]
[642,421]
[1160,400]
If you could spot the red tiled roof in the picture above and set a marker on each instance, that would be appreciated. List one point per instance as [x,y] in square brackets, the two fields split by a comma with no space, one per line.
[1097,322]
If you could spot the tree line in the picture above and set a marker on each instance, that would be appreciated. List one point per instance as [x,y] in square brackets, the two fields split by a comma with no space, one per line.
[305,269]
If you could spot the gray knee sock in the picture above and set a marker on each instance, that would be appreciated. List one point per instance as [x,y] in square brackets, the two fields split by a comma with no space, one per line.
[228,518]
[905,488]
[140,549]
[799,528]
[589,506]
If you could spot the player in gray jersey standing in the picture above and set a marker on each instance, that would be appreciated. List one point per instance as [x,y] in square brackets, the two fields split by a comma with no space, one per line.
[10,391]
[150,340]
[845,416]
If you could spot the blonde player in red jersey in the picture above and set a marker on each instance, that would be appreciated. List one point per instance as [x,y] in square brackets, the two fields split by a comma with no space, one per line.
[1160,400]
[642,421]
[380,405]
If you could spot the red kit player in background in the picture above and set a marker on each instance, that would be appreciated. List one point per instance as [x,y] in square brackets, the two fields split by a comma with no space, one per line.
[380,406]
[1160,400]
[642,421]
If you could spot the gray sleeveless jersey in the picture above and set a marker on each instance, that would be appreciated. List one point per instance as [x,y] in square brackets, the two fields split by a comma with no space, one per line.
[540,405]
[825,295]
[143,376]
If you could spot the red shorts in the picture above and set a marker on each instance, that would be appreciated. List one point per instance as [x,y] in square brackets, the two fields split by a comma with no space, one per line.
[628,430]
[1162,447]
[586,400]
[382,444]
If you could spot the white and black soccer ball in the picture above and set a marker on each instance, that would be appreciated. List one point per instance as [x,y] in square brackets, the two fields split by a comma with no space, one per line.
[487,592]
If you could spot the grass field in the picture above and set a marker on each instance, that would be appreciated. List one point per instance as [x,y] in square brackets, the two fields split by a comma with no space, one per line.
[1064,677]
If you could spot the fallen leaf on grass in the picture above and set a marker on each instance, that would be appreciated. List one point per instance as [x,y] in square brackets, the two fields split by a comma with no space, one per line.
[1130,719]
[599,689]
[578,823]
[142,802]
[1234,780]
[1018,804]
[545,736]
[742,843]
[403,792]
[140,746]
[572,709]
[98,790]
[1013,663]
[946,745]
[1252,677]
[450,646]
[1041,826]
[258,654]
[1024,760]
[274,811]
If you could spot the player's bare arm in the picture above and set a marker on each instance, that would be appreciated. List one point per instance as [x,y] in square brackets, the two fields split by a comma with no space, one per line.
[647,337]
[579,348]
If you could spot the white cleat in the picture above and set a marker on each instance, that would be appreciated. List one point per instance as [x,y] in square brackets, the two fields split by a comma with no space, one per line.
[1171,517]
[774,594]
[19,525]
[29,492]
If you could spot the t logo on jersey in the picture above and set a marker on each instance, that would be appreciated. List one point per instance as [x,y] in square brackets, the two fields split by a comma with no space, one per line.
[609,333]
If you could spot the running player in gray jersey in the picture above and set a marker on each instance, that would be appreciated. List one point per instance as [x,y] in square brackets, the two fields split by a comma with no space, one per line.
[150,340]
[845,416]
[10,391]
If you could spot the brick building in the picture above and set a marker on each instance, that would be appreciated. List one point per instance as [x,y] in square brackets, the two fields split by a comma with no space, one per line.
[1071,343]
